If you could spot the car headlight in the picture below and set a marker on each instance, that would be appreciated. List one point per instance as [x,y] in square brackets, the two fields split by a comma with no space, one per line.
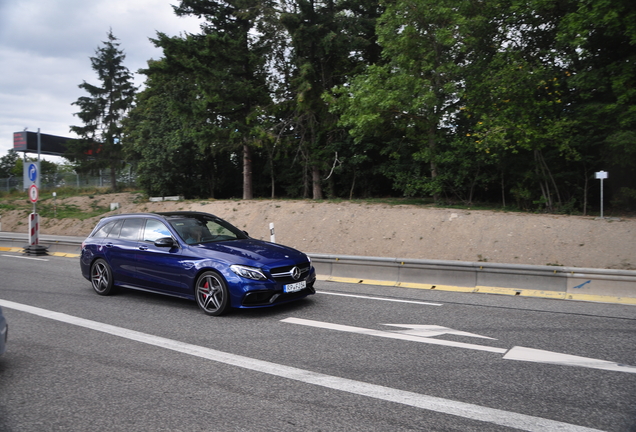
[248,272]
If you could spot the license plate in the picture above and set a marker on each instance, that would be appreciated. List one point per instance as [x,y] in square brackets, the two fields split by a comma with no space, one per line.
[290,288]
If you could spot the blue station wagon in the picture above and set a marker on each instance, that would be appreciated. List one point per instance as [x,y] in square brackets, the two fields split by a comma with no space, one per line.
[196,256]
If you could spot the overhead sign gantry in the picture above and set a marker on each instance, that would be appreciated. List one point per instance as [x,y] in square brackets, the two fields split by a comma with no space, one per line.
[27,142]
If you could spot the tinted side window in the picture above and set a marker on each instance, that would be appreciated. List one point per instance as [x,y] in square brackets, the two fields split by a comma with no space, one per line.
[103,231]
[131,229]
[114,233]
[155,230]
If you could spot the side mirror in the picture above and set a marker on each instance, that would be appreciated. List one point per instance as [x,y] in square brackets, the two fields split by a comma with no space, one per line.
[166,242]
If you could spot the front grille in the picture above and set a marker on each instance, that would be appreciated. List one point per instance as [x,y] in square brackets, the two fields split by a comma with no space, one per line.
[284,274]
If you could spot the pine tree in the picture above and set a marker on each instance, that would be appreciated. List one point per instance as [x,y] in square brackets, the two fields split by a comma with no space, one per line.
[103,111]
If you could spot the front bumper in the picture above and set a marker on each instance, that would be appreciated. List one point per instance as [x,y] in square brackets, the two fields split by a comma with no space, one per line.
[264,298]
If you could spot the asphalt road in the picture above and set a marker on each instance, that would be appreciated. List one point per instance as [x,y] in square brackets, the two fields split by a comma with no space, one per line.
[333,362]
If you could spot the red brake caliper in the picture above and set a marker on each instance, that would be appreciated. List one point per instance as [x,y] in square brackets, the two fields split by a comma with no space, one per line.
[206,286]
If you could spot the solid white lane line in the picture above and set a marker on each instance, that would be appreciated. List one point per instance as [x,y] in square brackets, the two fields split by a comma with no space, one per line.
[380,298]
[446,406]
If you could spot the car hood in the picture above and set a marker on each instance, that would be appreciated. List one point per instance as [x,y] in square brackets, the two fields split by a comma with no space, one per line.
[250,252]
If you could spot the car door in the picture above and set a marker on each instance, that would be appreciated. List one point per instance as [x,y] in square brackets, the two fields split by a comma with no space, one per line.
[120,248]
[161,268]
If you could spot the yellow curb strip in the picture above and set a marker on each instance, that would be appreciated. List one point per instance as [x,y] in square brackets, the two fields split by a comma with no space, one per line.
[521,292]
[435,287]
[354,280]
[21,250]
[486,290]
[601,299]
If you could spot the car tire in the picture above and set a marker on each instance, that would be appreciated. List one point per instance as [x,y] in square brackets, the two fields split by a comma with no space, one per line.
[212,294]
[102,278]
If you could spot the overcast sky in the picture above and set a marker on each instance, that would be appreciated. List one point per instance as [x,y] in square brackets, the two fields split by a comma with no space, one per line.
[45,50]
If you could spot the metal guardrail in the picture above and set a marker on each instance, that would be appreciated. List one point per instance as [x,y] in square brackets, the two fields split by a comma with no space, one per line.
[552,281]
[512,279]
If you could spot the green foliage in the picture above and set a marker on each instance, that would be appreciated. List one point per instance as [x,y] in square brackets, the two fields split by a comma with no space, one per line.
[327,41]
[625,200]
[223,73]
[413,95]
[510,102]
[8,164]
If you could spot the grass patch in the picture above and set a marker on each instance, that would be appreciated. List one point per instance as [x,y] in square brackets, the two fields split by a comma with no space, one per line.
[7,207]
[69,211]
[50,207]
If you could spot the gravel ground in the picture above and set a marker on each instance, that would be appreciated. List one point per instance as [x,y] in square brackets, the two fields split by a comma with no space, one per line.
[395,231]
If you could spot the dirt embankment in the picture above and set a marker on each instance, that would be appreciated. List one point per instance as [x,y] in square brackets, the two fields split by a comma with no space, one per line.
[399,231]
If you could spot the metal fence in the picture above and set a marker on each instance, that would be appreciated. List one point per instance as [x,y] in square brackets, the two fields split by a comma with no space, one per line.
[72,180]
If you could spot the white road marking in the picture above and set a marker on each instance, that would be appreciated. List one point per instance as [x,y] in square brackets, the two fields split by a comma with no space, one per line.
[23,257]
[515,353]
[541,356]
[446,406]
[379,298]
[391,335]
[433,330]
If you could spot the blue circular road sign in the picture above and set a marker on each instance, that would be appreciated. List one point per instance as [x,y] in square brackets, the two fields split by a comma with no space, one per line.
[33,172]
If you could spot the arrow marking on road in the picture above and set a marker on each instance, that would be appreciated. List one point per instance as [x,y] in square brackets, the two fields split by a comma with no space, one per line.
[395,335]
[433,330]
[541,356]
[423,333]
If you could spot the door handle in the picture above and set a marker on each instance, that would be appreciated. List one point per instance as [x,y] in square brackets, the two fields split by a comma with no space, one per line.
[143,247]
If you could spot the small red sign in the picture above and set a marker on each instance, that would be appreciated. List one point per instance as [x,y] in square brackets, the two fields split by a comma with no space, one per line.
[34,193]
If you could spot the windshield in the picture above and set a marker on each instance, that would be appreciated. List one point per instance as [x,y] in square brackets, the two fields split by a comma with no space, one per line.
[202,229]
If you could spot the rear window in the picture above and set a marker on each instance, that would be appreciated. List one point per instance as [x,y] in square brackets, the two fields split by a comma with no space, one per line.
[131,229]
[103,231]
[114,232]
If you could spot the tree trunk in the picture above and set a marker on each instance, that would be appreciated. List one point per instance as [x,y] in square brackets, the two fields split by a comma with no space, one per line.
[353,185]
[315,180]
[247,172]
[503,191]
[432,147]
[113,178]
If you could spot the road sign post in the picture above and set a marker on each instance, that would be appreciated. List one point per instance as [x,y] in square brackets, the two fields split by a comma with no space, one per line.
[34,229]
[34,218]
[601,175]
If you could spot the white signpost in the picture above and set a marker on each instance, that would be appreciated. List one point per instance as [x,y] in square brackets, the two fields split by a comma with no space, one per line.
[601,175]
